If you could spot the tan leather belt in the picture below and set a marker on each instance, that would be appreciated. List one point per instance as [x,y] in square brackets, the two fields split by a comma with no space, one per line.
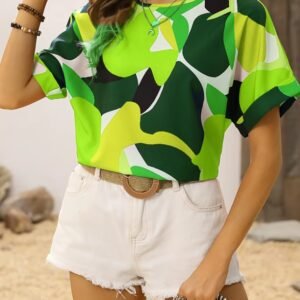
[137,186]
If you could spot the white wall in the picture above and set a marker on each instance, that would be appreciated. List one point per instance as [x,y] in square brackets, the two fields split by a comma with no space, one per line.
[37,142]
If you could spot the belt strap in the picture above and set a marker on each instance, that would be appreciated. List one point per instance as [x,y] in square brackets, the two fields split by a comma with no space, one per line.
[137,186]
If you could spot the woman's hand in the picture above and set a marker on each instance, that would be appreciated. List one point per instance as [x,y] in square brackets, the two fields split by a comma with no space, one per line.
[206,281]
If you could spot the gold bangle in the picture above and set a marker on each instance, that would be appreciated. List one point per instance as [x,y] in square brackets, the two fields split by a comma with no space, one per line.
[31,10]
[25,29]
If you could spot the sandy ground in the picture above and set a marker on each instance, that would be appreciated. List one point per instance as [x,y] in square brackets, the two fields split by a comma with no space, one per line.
[269,268]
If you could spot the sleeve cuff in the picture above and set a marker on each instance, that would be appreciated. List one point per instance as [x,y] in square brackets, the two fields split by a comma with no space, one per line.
[282,96]
[46,80]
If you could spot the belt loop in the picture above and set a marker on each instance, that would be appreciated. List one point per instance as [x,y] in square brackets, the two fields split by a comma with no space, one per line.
[175,185]
[97,173]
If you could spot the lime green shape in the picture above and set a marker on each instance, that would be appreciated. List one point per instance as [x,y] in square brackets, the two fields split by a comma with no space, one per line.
[87,127]
[133,53]
[228,39]
[140,171]
[124,166]
[261,81]
[240,120]
[208,158]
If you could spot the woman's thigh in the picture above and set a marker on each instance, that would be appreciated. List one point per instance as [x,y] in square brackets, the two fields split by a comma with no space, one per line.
[83,289]
[235,291]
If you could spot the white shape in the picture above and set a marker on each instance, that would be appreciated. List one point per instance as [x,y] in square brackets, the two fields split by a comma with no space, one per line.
[191,14]
[106,118]
[205,111]
[54,92]
[220,82]
[160,43]
[78,64]
[38,68]
[140,75]
[272,51]
[240,73]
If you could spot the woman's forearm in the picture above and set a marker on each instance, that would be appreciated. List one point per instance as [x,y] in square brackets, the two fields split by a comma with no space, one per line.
[17,61]
[251,196]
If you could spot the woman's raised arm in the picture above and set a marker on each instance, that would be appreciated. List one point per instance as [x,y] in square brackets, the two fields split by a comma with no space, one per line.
[17,86]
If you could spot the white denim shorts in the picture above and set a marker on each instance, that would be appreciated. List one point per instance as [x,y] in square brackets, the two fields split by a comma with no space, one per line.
[117,241]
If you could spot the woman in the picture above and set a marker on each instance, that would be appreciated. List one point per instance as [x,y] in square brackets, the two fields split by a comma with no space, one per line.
[154,86]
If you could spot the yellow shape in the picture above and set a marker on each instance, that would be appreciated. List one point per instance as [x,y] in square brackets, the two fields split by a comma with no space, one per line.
[124,164]
[85,26]
[167,31]
[250,40]
[126,126]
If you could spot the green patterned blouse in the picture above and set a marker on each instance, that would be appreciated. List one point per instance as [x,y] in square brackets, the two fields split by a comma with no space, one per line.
[160,104]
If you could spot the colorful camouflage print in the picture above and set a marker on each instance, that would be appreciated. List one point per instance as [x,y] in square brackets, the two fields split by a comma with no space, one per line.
[160,104]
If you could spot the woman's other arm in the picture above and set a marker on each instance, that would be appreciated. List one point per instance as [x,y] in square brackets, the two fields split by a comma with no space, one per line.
[17,86]
[256,185]
[264,167]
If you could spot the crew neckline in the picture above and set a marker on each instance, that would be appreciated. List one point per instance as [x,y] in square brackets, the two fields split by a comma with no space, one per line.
[139,2]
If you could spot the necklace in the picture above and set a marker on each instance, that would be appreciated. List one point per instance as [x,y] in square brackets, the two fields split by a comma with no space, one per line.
[168,7]
[157,22]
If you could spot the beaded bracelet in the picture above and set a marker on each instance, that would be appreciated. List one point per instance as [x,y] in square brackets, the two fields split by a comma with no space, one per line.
[31,10]
[25,29]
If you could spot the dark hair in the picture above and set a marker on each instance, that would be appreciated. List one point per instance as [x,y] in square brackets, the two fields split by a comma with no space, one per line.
[108,16]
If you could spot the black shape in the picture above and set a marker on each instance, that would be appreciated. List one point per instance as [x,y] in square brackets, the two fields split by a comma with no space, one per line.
[146,91]
[54,67]
[214,6]
[103,74]
[139,2]
[234,111]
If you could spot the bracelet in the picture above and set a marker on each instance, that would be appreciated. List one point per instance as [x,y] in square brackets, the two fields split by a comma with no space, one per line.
[25,29]
[31,10]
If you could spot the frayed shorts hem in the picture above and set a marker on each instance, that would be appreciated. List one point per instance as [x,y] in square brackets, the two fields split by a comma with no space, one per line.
[118,286]
[163,294]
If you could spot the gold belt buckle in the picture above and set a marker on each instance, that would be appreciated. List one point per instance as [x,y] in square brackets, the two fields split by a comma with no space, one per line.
[155,186]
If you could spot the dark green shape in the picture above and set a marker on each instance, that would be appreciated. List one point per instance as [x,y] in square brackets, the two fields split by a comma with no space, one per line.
[54,67]
[112,95]
[181,101]
[253,9]
[261,106]
[211,61]
[170,160]
[66,44]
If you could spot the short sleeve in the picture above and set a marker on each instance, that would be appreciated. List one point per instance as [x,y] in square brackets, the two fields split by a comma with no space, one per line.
[263,77]
[47,68]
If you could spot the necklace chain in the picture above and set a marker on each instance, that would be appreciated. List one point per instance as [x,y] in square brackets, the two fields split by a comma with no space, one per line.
[157,22]
[168,7]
